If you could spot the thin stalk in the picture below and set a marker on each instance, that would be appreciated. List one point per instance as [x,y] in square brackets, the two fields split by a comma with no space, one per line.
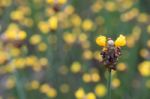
[19,86]
[109,84]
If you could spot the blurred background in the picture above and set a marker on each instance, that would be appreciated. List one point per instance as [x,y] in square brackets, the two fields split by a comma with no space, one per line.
[48,49]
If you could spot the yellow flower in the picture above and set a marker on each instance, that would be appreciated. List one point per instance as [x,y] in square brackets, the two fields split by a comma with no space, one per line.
[121,41]
[53,22]
[80,93]
[101,41]
[100,90]
[90,96]
[144,68]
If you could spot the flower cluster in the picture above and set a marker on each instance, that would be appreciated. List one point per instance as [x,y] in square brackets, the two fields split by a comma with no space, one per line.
[111,50]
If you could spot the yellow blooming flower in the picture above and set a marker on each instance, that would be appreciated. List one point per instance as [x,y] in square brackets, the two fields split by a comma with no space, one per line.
[101,41]
[121,41]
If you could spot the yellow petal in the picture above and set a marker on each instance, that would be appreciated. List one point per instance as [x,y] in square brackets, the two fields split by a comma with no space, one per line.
[101,41]
[121,41]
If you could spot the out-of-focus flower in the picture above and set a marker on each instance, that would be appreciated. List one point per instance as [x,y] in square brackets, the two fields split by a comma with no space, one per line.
[101,41]
[115,83]
[144,53]
[75,67]
[69,10]
[86,78]
[87,55]
[56,2]
[144,68]
[80,93]
[44,27]
[75,20]
[120,41]
[10,83]
[100,90]
[111,6]
[121,67]
[3,57]
[53,22]
[48,90]
[64,88]
[34,85]
[90,96]
[42,47]
[128,16]
[69,38]
[97,6]
[143,18]
[14,33]
[87,25]
[35,39]
[17,15]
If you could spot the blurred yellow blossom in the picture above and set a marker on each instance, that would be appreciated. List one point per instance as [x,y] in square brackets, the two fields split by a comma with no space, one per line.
[69,10]
[34,84]
[110,6]
[42,47]
[90,96]
[10,83]
[3,57]
[49,91]
[80,93]
[35,39]
[100,90]
[75,67]
[17,15]
[144,68]
[44,27]
[53,22]
[115,83]
[95,77]
[69,38]
[75,20]
[121,67]
[86,78]
[62,1]
[87,55]
[87,25]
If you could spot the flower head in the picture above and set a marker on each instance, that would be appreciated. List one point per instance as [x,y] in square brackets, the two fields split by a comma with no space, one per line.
[120,41]
[111,50]
[101,41]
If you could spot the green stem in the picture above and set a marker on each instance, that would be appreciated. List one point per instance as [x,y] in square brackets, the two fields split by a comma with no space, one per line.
[19,86]
[109,84]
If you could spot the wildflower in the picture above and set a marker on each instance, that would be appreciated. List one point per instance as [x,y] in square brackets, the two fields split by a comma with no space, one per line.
[111,50]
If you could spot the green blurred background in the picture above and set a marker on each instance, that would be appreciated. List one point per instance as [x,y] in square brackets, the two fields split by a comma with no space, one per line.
[48,49]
